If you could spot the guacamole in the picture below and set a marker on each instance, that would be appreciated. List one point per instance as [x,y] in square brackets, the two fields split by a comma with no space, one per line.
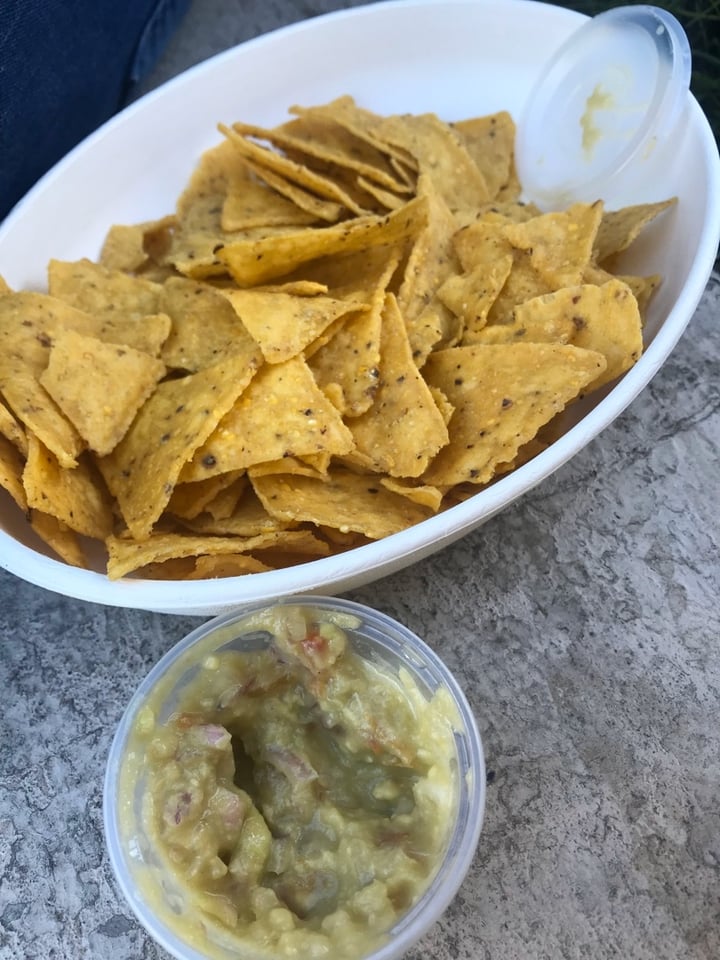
[300,794]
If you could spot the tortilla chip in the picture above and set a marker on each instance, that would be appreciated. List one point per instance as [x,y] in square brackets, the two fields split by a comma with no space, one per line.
[12,464]
[619,228]
[403,429]
[144,467]
[74,496]
[29,321]
[431,261]
[282,413]
[481,242]
[325,145]
[490,141]
[251,202]
[363,125]
[130,247]
[225,502]
[59,537]
[10,428]
[502,396]
[250,519]
[234,565]
[471,295]
[522,284]
[189,500]
[313,465]
[602,318]
[283,324]
[347,501]
[93,288]
[99,386]
[643,288]
[205,328]
[440,154]
[125,556]
[347,367]
[256,261]
[264,158]
[420,493]
[198,231]
[560,245]
[605,319]
[308,203]
[38,413]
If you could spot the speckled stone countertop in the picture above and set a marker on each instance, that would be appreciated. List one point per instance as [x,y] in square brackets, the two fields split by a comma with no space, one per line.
[583,623]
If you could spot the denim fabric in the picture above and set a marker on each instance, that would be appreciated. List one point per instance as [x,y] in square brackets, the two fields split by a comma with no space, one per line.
[66,66]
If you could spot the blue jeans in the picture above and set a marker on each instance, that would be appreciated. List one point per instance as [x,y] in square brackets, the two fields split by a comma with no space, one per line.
[65,67]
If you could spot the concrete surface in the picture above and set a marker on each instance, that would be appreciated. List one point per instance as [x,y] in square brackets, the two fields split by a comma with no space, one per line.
[583,624]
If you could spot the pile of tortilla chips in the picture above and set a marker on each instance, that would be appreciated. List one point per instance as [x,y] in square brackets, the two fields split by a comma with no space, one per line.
[350,323]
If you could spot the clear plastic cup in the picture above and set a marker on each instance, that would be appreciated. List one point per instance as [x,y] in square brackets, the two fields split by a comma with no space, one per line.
[149,887]
[604,119]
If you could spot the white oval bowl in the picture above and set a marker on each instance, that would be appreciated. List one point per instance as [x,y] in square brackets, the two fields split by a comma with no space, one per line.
[458,58]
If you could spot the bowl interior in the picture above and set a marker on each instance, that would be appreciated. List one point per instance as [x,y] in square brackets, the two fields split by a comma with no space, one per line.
[459,58]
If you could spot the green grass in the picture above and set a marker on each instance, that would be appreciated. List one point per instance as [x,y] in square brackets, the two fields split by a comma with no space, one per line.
[701,20]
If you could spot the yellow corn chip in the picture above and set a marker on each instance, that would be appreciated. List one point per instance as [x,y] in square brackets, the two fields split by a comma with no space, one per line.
[346,500]
[264,158]
[403,429]
[130,247]
[282,413]
[284,324]
[251,202]
[59,537]
[618,228]
[560,245]
[419,493]
[250,519]
[431,261]
[99,386]
[124,556]
[38,413]
[234,565]
[325,145]
[256,261]
[502,395]
[471,295]
[189,500]
[144,467]
[74,496]
[490,141]
[440,154]
[12,464]
[10,428]
[205,328]
[348,364]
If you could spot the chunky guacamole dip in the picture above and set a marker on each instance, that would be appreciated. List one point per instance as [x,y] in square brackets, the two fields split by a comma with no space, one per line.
[300,794]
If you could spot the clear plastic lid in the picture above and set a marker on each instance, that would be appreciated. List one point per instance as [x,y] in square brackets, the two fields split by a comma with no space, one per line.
[606,109]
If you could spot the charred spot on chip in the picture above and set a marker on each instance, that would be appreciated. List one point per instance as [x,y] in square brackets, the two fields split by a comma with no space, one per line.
[506,402]
[208,460]
[579,322]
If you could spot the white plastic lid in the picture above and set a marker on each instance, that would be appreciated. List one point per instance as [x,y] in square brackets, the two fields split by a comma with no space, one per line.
[605,108]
